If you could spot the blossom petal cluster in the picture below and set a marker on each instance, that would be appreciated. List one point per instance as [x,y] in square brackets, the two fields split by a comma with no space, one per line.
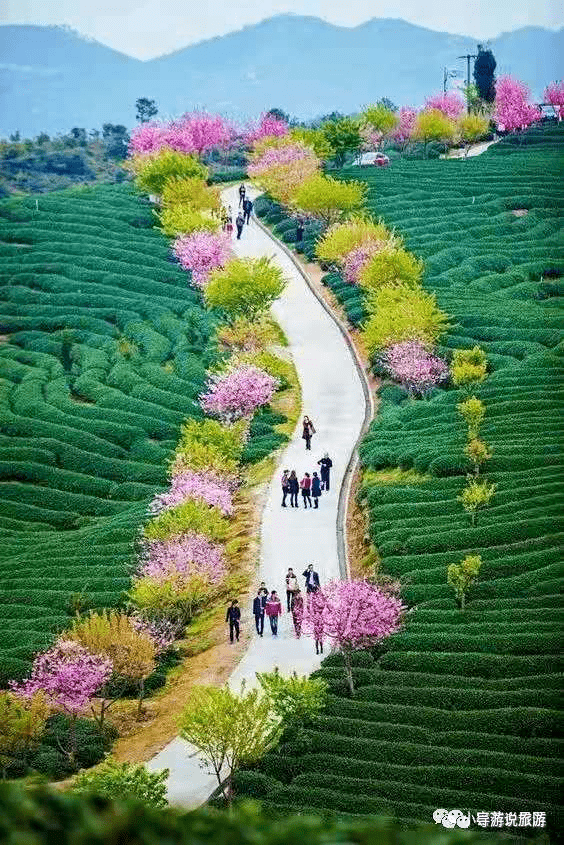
[68,675]
[194,132]
[404,127]
[512,108]
[414,367]
[450,104]
[267,127]
[277,156]
[356,259]
[238,393]
[184,556]
[554,94]
[206,486]
[352,614]
[163,632]
[201,252]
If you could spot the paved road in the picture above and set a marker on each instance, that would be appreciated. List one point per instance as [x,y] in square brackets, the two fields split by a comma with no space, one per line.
[332,396]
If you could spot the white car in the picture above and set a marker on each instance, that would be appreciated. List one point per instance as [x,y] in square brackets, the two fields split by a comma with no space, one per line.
[373,159]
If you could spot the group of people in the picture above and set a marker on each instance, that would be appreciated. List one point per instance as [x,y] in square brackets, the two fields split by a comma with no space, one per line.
[311,486]
[243,215]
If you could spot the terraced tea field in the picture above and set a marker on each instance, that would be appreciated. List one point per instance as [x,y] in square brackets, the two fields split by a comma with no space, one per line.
[462,708]
[103,355]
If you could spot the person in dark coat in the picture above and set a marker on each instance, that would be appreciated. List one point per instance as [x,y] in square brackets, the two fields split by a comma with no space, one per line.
[247,209]
[239,222]
[259,603]
[311,579]
[325,463]
[242,192]
[294,489]
[285,481]
[300,230]
[315,489]
[233,616]
[308,431]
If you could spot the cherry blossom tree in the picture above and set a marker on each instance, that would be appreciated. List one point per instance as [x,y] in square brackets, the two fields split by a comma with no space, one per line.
[554,94]
[237,393]
[201,252]
[450,104]
[416,369]
[512,109]
[404,127]
[194,132]
[207,486]
[353,615]
[267,127]
[69,676]
[355,260]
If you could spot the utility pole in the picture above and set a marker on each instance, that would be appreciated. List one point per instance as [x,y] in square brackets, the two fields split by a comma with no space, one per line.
[468,57]
[448,73]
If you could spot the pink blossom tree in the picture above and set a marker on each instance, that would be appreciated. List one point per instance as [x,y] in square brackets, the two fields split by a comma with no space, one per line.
[201,252]
[237,393]
[404,127]
[267,127]
[554,94]
[194,132]
[416,369]
[69,677]
[206,486]
[206,131]
[353,615]
[182,557]
[512,109]
[277,156]
[449,103]
[356,259]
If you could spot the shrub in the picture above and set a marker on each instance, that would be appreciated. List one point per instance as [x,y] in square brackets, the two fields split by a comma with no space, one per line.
[154,170]
[468,366]
[245,287]
[461,576]
[414,367]
[22,722]
[244,335]
[390,266]
[328,199]
[201,252]
[476,495]
[238,393]
[341,238]
[183,220]
[174,599]
[190,191]
[472,411]
[193,516]
[209,445]
[477,452]
[124,780]
[294,699]
[401,313]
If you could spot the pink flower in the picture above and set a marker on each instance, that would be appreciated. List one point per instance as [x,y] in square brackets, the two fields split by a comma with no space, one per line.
[189,554]
[68,675]
[267,127]
[201,252]
[450,104]
[356,259]
[416,369]
[276,156]
[370,138]
[512,109]
[404,127]
[554,94]
[163,632]
[238,392]
[206,486]
[194,132]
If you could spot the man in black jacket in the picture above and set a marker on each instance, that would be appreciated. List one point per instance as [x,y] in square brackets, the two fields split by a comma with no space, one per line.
[259,603]
[247,209]
[233,616]
[311,579]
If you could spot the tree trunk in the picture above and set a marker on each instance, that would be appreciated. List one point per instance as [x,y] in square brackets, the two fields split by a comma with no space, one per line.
[462,601]
[72,734]
[348,671]
[141,696]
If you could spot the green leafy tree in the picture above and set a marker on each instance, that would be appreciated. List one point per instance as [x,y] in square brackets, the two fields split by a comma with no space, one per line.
[229,730]
[22,722]
[475,496]
[245,287]
[329,200]
[152,172]
[314,138]
[433,125]
[390,266]
[461,576]
[398,313]
[469,367]
[380,118]
[472,411]
[278,114]
[145,109]
[344,137]
[471,128]
[477,451]
[484,74]
[294,699]
[124,780]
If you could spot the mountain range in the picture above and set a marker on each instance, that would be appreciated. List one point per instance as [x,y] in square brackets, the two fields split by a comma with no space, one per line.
[52,78]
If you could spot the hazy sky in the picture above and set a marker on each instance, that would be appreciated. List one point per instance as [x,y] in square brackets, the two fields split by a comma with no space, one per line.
[147,28]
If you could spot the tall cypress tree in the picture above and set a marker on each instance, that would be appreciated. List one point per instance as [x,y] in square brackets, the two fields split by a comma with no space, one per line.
[484,68]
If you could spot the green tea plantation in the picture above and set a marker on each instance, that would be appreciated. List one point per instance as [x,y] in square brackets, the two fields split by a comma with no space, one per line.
[461,708]
[103,352]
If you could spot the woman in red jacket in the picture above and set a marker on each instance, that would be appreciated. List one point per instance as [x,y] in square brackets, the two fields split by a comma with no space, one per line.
[273,610]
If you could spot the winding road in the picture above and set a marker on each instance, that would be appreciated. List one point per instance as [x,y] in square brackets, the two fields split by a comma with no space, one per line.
[333,396]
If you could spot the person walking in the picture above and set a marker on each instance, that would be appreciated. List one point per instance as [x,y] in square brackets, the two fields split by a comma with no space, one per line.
[316,605]
[294,489]
[315,489]
[325,463]
[285,486]
[258,611]
[233,616]
[311,579]
[273,610]
[239,222]
[308,431]
[242,192]
[247,209]
[300,230]
[297,608]
[291,587]
[305,484]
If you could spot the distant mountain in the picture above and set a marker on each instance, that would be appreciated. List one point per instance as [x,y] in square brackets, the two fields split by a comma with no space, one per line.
[51,78]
